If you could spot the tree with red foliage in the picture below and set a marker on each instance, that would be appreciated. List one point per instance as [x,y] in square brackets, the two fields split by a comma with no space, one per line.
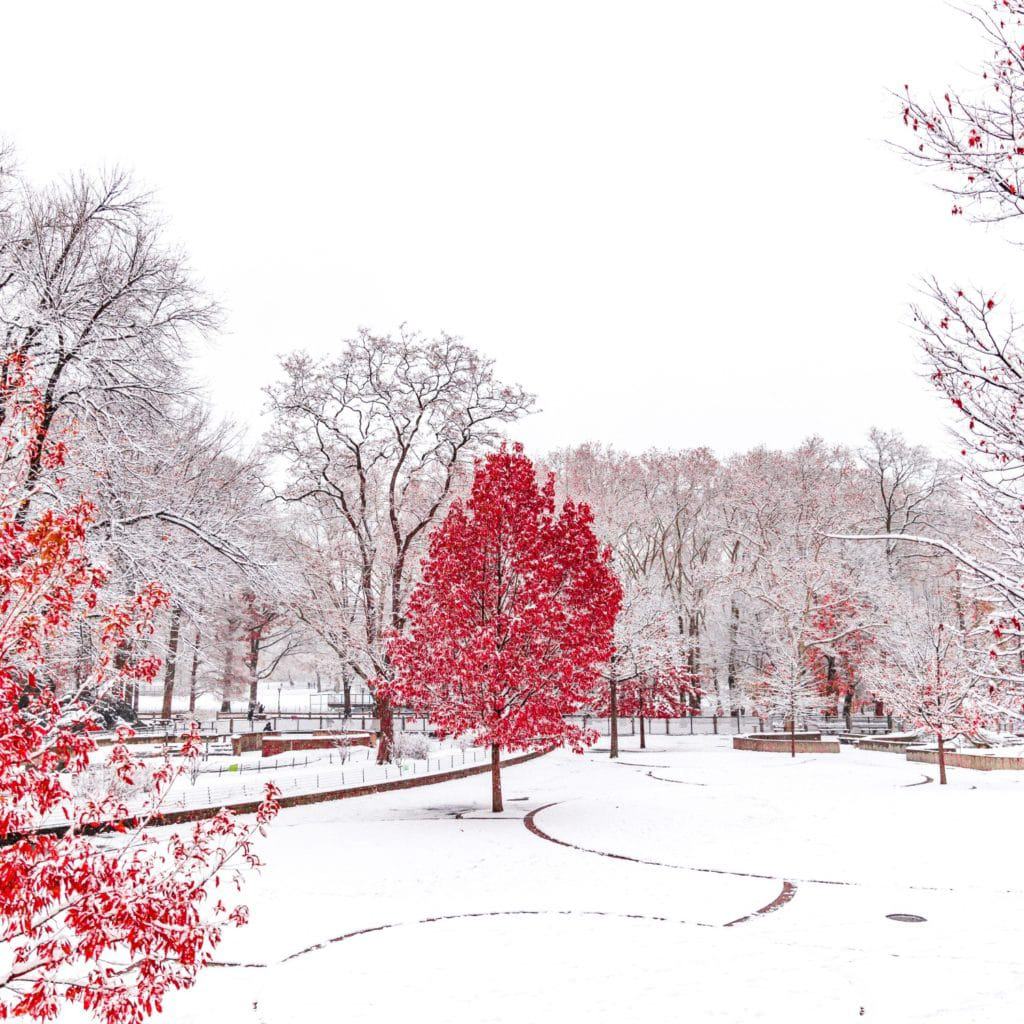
[661,695]
[648,675]
[109,927]
[513,618]
[836,652]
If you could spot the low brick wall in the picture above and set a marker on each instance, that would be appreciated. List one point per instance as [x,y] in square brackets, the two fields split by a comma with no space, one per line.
[785,746]
[887,746]
[246,743]
[980,762]
[783,736]
[273,745]
[299,800]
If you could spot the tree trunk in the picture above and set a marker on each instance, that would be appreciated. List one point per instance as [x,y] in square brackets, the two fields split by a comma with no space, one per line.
[346,687]
[194,673]
[254,662]
[734,625]
[693,662]
[942,760]
[848,708]
[228,671]
[386,734]
[171,666]
[129,686]
[496,805]
[643,737]
[613,731]
[792,731]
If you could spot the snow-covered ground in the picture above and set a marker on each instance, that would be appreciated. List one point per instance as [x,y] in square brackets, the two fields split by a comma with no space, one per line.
[222,780]
[422,906]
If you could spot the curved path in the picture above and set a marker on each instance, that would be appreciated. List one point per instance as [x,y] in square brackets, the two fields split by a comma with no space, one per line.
[530,821]
[474,916]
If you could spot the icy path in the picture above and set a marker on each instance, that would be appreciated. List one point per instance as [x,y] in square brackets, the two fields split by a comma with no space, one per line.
[766,899]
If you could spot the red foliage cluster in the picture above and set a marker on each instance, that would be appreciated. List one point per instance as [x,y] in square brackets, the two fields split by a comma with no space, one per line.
[665,695]
[110,926]
[835,663]
[514,615]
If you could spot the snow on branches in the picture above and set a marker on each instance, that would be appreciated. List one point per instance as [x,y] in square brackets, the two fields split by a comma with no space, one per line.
[975,137]
[513,618]
[376,441]
[113,926]
[928,666]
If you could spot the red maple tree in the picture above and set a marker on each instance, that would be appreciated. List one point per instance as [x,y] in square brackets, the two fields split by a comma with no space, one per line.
[837,649]
[662,694]
[111,926]
[513,618]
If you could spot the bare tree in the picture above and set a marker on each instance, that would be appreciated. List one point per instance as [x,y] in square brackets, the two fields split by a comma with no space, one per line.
[907,483]
[375,440]
[102,307]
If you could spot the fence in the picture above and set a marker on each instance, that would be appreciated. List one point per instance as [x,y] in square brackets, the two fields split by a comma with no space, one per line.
[697,725]
[734,725]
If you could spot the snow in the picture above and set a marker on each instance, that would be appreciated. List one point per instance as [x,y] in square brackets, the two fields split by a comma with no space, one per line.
[526,930]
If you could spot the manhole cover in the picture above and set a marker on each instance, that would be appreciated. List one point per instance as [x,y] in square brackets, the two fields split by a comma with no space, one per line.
[908,918]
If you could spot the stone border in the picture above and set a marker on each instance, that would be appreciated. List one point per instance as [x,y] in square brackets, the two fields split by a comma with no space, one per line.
[883,745]
[788,892]
[980,762]
[784,746]
[463,917]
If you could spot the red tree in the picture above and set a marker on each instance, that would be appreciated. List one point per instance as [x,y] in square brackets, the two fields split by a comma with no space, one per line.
[113,926]
[665,694]
[513,618]
[837,648]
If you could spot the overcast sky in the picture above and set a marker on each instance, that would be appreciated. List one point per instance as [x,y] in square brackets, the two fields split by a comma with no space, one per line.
[677,223]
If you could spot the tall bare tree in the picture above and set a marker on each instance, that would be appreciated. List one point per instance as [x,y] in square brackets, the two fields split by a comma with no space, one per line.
[375,440]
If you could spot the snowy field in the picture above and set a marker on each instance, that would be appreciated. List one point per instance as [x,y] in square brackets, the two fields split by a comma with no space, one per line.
[744,887]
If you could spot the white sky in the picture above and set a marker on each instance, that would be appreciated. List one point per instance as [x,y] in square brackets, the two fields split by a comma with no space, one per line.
[677,223]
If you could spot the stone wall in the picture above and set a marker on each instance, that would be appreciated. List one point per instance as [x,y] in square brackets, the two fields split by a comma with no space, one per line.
[273,745]
[785,746]
[981,762]
[888,746]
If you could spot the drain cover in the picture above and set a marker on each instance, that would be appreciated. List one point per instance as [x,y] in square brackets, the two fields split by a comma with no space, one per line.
[907,918]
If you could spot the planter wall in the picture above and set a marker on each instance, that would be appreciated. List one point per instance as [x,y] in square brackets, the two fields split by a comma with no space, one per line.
[273,745]
[785,746]
[980,762]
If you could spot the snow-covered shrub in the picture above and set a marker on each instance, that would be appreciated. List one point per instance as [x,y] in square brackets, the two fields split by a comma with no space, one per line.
[100,782]
[414,745]
[466,741]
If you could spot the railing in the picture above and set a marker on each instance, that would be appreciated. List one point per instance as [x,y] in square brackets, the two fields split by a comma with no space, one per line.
[695,725]
[732,725]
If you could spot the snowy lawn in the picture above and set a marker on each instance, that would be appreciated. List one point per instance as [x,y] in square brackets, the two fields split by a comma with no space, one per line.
[227,779]
[532,930]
